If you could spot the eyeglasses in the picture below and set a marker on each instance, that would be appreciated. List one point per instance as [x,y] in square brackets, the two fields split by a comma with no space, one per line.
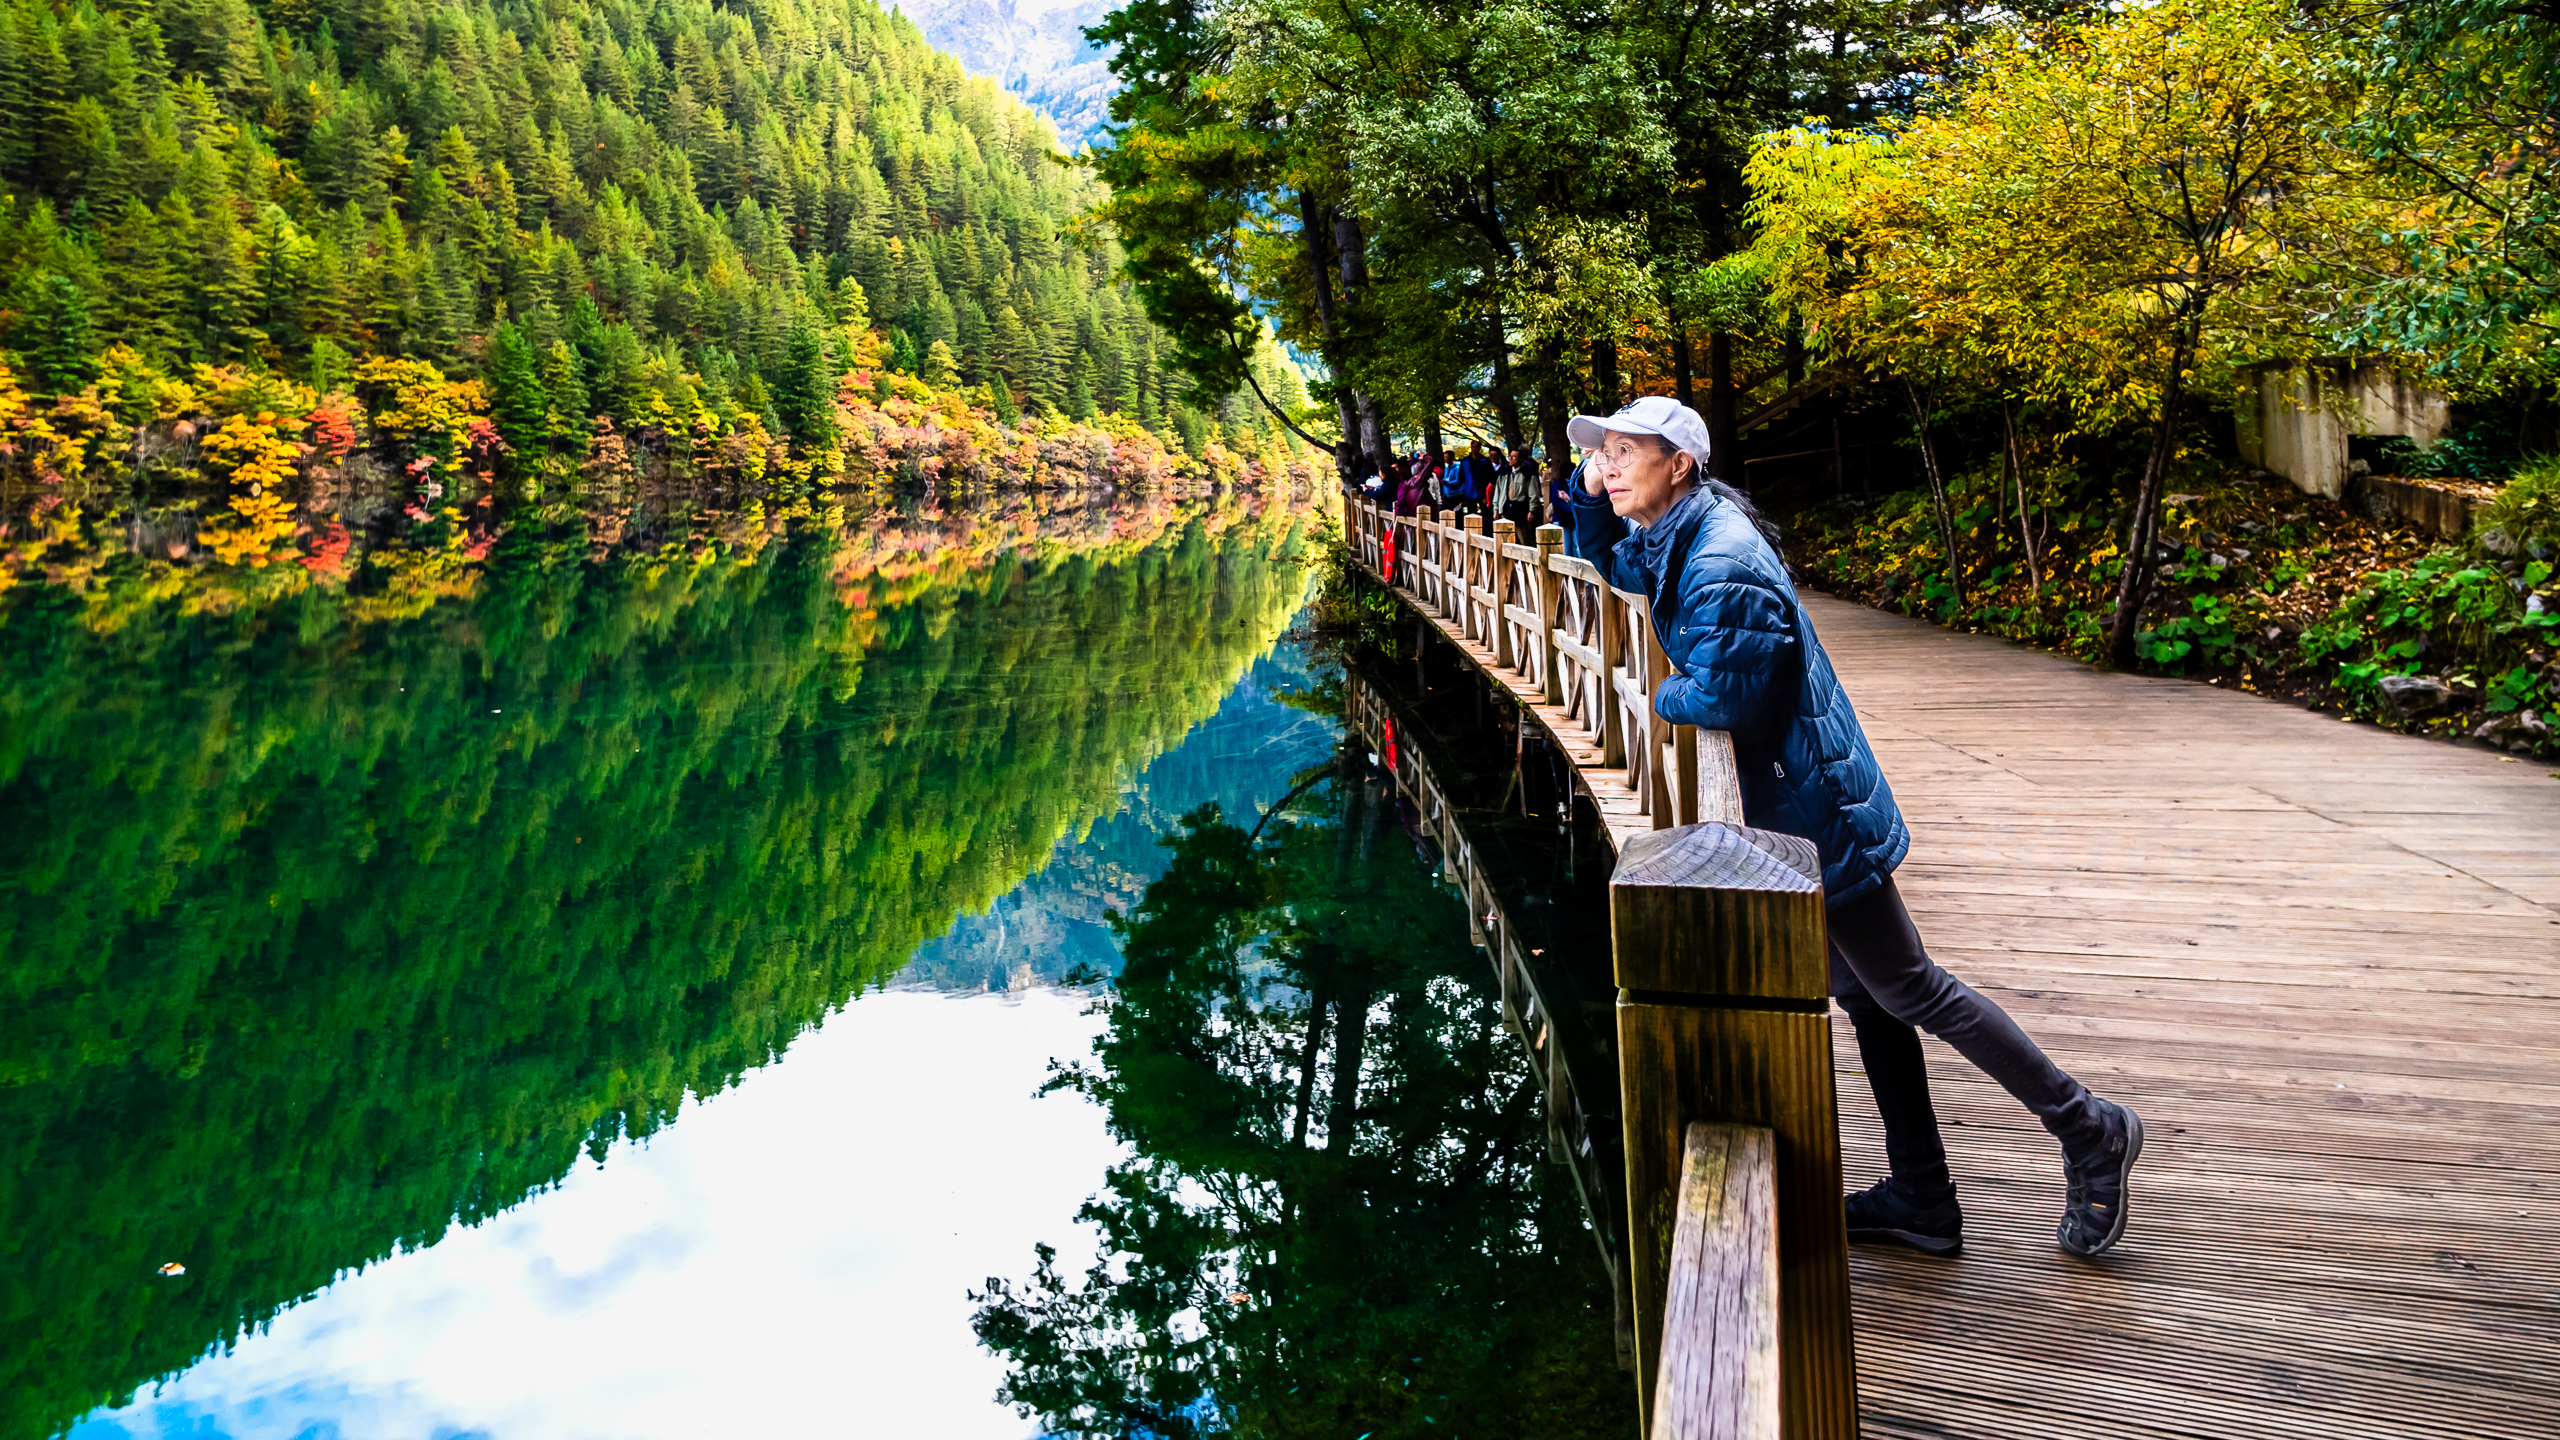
[1606,465]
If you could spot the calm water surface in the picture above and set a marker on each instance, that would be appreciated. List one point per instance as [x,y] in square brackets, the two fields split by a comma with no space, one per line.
[632,967]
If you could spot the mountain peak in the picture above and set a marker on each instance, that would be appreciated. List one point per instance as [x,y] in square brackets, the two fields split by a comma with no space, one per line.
[1034,48]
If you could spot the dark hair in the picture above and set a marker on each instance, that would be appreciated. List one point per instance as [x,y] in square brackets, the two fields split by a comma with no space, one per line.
[1724,492]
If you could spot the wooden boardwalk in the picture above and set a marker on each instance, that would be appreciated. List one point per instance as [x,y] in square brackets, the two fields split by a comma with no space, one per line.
[2324,963]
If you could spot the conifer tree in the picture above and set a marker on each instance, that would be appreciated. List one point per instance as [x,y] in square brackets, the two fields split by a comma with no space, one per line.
[941,371]
[804,389]
[517,399]
[1080,404]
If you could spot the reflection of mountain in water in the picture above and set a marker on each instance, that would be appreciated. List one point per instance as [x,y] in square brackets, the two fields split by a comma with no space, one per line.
[1034,48]
[1245,757]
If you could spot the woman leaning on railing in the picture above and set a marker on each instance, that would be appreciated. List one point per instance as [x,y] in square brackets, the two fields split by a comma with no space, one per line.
[1746,661]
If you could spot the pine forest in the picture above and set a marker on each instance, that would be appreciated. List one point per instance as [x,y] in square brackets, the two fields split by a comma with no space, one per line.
[259,238]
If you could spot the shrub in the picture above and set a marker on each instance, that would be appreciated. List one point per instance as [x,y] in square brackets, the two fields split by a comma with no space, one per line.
[2525,516]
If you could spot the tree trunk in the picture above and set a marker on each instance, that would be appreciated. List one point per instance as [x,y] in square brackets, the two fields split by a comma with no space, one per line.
[1506,400]
[2133,589]
[1552,414]
[2017,468]
[1724,439]
[1314,231]
[1351,254]
[1937,493]
[1373,431]
[1431,436]
[1604,377]
[1683,381]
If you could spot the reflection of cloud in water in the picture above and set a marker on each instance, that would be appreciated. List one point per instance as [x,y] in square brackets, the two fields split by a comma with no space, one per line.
[789,1258]
[662,1249]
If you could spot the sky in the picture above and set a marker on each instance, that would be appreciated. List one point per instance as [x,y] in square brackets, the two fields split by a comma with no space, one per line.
[790,1258]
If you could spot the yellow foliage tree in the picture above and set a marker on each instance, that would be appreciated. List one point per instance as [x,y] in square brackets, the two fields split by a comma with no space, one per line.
[2100,213]
[27,434]
[259,450]
[425,413]
[139,392]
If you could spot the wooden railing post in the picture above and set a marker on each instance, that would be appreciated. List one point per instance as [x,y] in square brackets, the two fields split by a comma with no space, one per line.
[1470,618]
[1505,535]
[1549,602]
[1660,803]
[1426,551]
[1684,773]
[1613,653]
[1718,942]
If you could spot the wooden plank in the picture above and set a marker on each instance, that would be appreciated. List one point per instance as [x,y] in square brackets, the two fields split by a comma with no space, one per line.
[1719,1378]
[2324,1242]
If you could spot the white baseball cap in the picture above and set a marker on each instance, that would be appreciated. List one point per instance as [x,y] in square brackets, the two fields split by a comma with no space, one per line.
[1653,415]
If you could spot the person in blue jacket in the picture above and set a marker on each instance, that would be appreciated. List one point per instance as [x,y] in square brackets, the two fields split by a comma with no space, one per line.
[1746,661]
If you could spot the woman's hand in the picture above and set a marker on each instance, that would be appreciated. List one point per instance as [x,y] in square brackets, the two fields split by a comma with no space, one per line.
[1595,470]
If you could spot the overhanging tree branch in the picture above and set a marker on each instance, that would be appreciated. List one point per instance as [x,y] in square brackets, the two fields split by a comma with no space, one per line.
[1244,363]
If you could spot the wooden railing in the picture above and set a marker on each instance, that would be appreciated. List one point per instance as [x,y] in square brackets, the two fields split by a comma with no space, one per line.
[1553,621]
[1737,1262]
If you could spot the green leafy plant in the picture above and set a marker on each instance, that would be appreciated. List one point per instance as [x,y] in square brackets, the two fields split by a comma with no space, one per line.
[2208,634]
[2512,691]
[2525,516]
[2446,607]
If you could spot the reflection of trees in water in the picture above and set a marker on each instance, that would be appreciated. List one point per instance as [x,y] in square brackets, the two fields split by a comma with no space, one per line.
[1339,1219]
[320,936]
[1054,923]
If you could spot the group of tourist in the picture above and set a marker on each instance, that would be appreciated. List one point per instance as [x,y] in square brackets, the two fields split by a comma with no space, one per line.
[1486,481]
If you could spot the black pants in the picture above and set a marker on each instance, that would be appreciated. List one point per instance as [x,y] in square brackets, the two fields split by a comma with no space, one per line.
[1892,990]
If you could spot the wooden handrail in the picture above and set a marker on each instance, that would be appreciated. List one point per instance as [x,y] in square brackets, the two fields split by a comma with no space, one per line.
[1719,1378]
[1717,936]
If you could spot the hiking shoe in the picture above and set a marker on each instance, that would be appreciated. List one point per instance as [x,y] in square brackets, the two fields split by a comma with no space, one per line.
[2094,1215]
[1885,1211]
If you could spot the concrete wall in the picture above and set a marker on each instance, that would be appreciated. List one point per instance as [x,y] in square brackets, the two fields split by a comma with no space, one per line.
[2299,418]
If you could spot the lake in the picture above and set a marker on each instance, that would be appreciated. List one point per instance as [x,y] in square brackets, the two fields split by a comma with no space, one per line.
[634,965]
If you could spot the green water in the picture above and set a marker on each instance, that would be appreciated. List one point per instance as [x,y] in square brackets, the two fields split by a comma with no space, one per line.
[378,895]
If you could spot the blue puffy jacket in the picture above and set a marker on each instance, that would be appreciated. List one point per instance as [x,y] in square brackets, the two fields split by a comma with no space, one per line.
[1747,662]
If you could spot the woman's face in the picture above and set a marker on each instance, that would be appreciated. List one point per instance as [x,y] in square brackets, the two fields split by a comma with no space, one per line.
[1644,477]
